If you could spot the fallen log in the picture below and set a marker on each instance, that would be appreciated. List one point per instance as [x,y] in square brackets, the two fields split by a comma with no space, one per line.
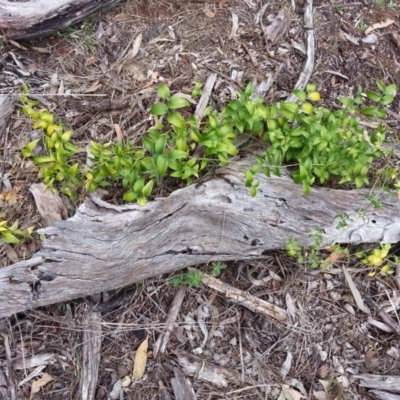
[104,247]
[34,18]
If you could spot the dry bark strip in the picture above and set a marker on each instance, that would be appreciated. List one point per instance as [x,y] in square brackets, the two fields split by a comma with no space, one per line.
[42,17]
[104,247]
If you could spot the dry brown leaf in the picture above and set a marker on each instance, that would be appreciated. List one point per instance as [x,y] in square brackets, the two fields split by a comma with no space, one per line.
[333,257]
[96,85]
[91,61]
[323,371]
[139,365]
[11,197]
[208,13]
[368,357]
[118,131]
[43,381]
[379,25]
[122,17]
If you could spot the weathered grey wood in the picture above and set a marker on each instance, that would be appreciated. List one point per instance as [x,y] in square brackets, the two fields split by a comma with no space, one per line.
[182,386]
[34,18]
[105,247]
[388,383]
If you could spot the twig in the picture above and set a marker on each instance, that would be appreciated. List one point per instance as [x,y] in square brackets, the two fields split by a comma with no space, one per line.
[9,370]
[162,341]
[380,311]
[234,83]
[244,298]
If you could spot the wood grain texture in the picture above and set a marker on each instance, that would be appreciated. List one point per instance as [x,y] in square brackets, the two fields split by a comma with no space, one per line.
[104,247]
[34,18]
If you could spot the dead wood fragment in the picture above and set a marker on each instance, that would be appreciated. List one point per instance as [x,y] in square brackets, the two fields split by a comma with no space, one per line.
[380,395]
[104,247]
[382,313]
[245,299]
[205,371]
[182,387]
[309,64]
[40,17]
[6,108]
[163,393]
[9,368]
[387,383]
[205,97]
[162,341]
[92,339]
[49,204]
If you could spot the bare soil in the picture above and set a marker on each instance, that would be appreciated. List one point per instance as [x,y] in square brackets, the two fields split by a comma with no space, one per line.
[87,77]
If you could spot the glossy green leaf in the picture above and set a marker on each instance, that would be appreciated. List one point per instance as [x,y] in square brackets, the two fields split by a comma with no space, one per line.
[158,109]
[8,237]
[176,119]
[373,96]
[177,102]
[146,191]
[163,91]
[130,196]
[162,165]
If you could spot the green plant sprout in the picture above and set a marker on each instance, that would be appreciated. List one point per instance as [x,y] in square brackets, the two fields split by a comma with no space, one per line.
[217,268]
[12,234]
[191,278]
[319,145]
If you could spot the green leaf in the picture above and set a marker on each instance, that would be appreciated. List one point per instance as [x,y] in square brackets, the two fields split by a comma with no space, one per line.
[390,90]
[380,85]
[141,200]
[158,109]
[163,91]
[176,154]
[139,185]
[8,237]
[249,89]
[43,159]
[146,191]
[387,99]
[130,196]
[27,151]
[300,94]
[160,144]
[381,114]
[373,96]
[162,164]
[370,111]
[306,188]
[346,101]
[177,102]
[176,120]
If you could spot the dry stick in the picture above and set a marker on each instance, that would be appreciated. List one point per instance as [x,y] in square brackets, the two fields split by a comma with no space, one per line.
[245,299]
[162,341]
[382,313]
[9,369]
[309,65]
[207,89]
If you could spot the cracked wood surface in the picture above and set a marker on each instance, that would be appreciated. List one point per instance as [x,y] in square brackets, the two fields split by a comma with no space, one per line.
[104,247]
[42,17]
